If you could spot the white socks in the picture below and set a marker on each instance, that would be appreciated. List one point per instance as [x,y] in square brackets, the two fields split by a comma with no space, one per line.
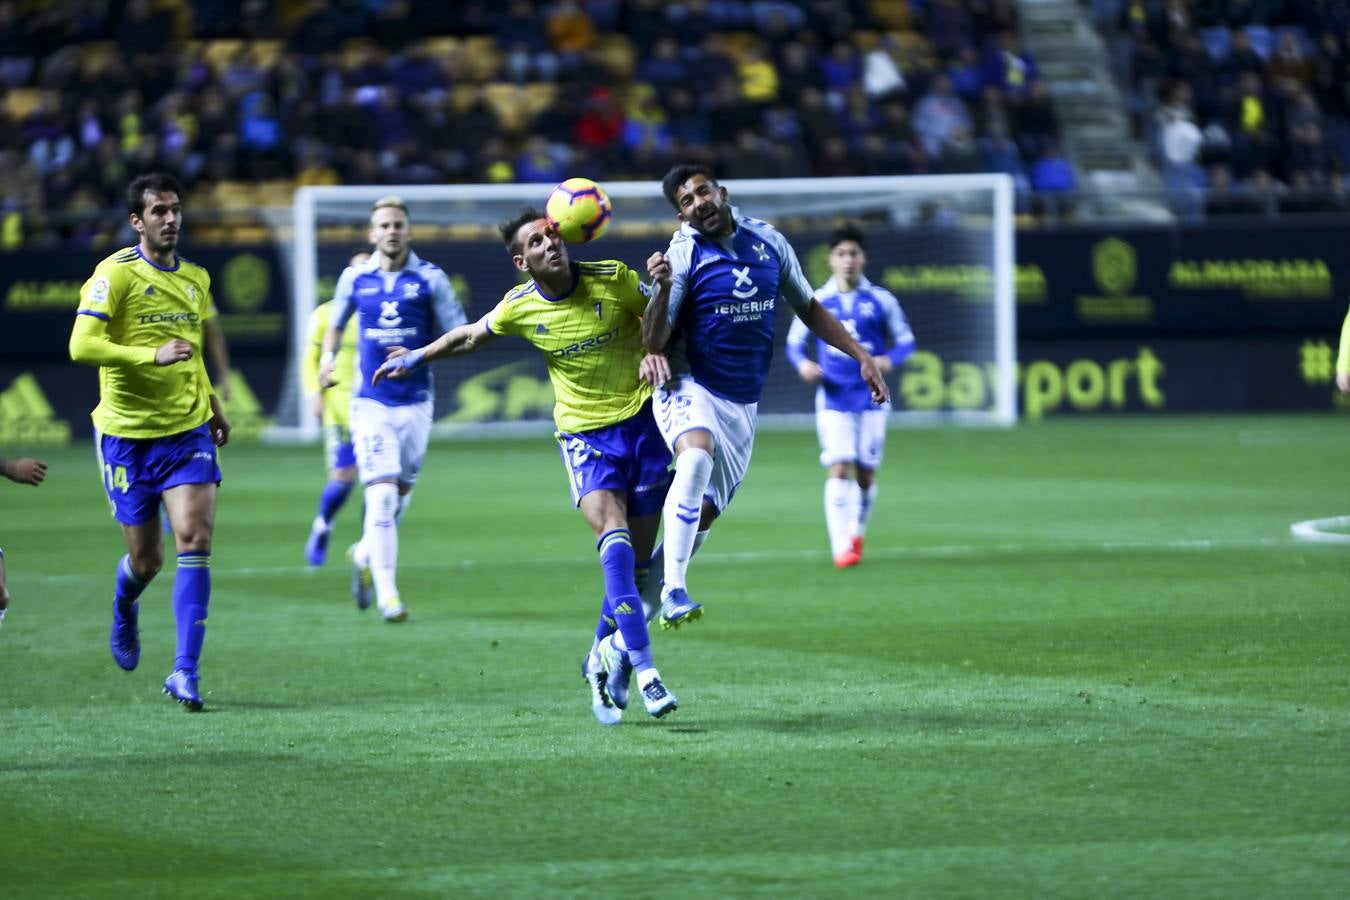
[842,500]
[866,499]
[684,506]
[380,540]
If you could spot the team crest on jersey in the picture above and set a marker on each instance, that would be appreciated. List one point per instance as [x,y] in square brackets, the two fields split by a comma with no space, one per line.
[149,290]
[99,292]
[541,328]
[192,292]
[597,310]
[742,279]
[760,251]
[865,309]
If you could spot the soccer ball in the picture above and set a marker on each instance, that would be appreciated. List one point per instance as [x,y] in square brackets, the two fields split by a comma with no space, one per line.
[579,210]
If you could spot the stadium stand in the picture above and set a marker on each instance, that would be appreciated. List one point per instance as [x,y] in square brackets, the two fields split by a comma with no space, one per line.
[1247,96]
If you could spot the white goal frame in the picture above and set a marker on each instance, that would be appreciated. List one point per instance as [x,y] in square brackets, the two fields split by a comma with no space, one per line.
[305,269]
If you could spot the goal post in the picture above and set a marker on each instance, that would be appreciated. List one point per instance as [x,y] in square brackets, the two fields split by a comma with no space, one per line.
[943,244]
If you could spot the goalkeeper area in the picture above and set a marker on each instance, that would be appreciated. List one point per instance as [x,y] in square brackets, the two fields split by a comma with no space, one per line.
[942,244]
[1080,658]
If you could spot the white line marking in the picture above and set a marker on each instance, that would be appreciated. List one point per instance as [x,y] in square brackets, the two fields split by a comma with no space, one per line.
[1313,530]
[950,551]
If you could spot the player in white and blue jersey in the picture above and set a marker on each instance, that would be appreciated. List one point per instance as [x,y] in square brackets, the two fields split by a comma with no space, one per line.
[851,427]
[726,272]
[399,300]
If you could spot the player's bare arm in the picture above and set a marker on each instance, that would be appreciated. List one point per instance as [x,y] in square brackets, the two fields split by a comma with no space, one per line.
[831,331]
[463,339]
[656,319]
[328,358]
[809,370]
[23,470]
[213,342]
[218,424]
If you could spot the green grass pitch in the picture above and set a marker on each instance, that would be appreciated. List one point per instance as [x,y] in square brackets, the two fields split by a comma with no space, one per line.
[1080,658]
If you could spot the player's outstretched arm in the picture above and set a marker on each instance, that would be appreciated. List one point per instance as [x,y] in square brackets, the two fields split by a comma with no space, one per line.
[23,470]
[831,331]
[462,339]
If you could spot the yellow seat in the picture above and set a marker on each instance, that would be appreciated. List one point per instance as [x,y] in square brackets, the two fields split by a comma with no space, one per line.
[220,52]
[21,102]
[481,58]
[618,55]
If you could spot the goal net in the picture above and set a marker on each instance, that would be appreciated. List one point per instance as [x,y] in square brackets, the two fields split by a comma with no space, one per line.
[941,244]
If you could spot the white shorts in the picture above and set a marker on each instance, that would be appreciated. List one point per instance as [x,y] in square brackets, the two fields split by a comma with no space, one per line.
[851,437]
[391,441]
[683,405]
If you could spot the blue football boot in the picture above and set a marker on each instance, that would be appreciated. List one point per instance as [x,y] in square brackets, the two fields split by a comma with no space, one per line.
[181,685]
[363,585]
[316,547]
[677,609]
[125,638]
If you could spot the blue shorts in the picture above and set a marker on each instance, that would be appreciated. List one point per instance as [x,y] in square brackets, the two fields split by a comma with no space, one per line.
[629,457]
[137,471]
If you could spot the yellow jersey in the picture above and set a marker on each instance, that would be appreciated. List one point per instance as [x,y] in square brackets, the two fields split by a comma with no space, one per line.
[337,400]
[128,308]
[591,339]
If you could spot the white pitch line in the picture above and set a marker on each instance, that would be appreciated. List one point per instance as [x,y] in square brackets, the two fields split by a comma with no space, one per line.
[1313,530]
[949,551]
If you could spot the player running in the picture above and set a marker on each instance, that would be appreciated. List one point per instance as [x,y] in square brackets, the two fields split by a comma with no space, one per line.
[398,299]
[851,428]
[158,423]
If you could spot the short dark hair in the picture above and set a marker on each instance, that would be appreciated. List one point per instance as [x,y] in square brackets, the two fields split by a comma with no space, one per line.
[681,173]
[848,232]
[155,183]
[511,227]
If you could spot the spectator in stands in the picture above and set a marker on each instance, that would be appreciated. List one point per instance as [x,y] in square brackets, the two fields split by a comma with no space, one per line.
[1009,66]
[1179,144]
[1035,121]
[1288,61]
[665,68]
[949,26]
[938,115]
[881,71]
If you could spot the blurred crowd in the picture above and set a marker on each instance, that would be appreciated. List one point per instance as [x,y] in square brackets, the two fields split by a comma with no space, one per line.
[1247,102]
[245,99]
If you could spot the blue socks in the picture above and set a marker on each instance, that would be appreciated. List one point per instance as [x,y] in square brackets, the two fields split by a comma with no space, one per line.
[330,501]
[129,588]
[191,595]
[621,596]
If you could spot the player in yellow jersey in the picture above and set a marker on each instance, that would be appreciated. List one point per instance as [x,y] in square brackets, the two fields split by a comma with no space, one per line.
[158,423]
[332,406]
[586,319]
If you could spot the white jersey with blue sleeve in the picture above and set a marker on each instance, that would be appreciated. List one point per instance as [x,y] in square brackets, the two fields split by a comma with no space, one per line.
[873,316]
[722,303]
[407,308]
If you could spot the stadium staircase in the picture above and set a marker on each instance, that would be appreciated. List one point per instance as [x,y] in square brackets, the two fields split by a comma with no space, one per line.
[1114,168]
